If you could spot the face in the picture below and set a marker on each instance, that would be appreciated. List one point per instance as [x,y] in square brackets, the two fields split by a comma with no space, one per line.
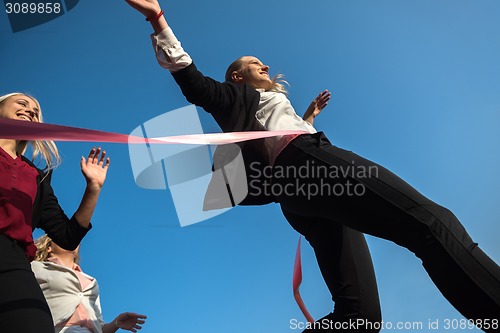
[20,107]
[253,72]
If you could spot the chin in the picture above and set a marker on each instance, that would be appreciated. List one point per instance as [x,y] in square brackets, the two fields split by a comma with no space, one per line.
[268,86]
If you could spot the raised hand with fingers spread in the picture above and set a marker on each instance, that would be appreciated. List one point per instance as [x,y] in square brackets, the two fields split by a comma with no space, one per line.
[316,106]
[94,169]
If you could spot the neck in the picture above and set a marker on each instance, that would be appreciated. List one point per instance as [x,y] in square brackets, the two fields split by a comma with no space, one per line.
[9,146]
[67,260]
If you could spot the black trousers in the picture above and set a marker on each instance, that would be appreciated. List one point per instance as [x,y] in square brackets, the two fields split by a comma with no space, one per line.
[317,184]
[23,308]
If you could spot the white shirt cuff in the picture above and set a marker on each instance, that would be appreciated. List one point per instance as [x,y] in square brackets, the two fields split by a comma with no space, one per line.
[169,52]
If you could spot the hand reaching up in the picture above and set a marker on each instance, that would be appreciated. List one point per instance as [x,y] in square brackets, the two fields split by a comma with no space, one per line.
[316,106]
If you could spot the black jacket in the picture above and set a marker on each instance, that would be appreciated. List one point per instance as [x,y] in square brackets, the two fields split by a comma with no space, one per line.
[233,108]
[49,216]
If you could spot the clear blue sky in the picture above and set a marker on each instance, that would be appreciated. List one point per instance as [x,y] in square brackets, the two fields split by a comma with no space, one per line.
[416,88]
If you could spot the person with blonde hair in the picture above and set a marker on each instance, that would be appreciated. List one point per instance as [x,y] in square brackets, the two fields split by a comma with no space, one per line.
[27,201]
[342,196]
[72,295]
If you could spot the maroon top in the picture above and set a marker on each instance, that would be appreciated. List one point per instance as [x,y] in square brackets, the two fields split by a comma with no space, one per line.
[18,188]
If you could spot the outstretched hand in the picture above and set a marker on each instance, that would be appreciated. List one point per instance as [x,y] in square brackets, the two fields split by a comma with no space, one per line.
[152,11]
[316,106]
[95,167]
[148,8]
[130,321]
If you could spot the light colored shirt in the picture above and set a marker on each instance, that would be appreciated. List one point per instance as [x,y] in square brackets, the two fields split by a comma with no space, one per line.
[80,317]
[64,293]
[73,329]
[275,112]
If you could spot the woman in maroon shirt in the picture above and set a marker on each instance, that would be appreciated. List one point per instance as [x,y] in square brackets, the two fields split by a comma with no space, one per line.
[27,201]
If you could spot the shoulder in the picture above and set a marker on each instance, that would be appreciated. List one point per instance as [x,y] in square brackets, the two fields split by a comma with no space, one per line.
[37,265]
[40,267]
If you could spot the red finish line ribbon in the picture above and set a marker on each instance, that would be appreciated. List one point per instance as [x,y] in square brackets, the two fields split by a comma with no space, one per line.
[26,130]
[297,280]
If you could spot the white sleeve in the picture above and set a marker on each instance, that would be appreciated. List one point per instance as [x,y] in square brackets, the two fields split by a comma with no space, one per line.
[169,52]
[97,309]
[310,127]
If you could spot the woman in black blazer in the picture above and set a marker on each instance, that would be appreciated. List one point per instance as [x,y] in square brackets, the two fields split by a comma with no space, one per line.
[337,197]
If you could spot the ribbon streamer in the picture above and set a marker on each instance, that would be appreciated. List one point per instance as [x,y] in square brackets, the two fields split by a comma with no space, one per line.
[297,280]
[26,130]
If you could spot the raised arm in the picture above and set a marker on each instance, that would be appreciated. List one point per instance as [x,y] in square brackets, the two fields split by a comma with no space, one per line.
[68,232]
[213,96]
[316,106]
[94,169]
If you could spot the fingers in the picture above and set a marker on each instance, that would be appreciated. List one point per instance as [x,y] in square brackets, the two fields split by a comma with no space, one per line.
[135,315]
[325,95]
[132,321]
[104,161]
[322,99]
[92,154]
[98,156]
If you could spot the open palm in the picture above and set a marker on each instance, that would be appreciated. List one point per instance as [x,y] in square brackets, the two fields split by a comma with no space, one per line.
[95,167]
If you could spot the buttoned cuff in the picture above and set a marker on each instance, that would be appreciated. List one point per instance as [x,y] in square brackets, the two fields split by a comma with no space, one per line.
[169,52]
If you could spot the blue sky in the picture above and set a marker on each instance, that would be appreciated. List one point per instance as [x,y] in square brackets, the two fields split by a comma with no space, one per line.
[416,88]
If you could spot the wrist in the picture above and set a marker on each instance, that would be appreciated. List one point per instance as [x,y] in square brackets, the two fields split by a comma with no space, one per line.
[159,25]
[155,16]
[93,187]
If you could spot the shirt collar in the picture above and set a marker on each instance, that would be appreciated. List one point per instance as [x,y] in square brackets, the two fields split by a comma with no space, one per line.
[56,261]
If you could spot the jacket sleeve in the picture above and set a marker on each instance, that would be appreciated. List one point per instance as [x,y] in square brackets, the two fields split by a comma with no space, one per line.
[224,101]
[66,232]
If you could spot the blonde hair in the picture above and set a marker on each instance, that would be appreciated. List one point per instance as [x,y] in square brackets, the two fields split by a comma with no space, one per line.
[46,149]
[42,249]
[278,81]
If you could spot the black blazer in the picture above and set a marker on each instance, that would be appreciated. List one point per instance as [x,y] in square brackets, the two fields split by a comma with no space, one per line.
[233,108]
